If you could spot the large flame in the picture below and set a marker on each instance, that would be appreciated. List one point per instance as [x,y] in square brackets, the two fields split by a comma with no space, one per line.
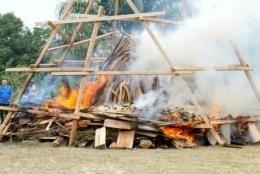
[91,90]
[178,132]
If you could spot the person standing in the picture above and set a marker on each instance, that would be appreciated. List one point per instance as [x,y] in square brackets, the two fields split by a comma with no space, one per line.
[6,93]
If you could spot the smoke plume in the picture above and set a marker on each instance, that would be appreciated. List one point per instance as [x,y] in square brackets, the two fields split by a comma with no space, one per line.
[205,41]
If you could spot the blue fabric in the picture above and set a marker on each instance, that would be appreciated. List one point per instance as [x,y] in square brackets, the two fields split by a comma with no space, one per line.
[5,94]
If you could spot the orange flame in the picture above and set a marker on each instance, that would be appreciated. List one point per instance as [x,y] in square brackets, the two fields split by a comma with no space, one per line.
[178,132]
[90,91]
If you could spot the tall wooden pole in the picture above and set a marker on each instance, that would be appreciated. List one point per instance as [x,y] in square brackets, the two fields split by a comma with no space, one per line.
[184,9]
[114,23]
[88,59]
[179,77]
[248,75]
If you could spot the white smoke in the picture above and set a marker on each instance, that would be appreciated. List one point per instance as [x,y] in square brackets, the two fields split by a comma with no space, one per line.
[205,41]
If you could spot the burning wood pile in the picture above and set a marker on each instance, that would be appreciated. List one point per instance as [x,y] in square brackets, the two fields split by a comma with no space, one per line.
[110,118]
[101,111]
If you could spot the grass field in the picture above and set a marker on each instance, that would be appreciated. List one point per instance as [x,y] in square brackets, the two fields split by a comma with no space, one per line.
[34,157]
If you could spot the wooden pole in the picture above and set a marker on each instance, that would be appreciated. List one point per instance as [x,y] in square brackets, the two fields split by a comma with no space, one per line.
[197,106]
[248,75]
[88,59]
[73,132]
[79,43]
[184,9]
[151,35]
[76,33]
[186,88]
[115,23]
[46,46]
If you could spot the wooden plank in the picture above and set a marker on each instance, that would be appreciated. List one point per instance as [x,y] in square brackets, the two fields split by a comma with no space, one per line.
[114,24]
[72,62]
[113,145]
[73,132]
[99,18]
[257,124]
[72,116]
[201,126]
[90,116]
[43,52]
[50,69]
[148,134]
[50,65]
[223,121]
[212,140]
[248,75]
[88,58]
[164,21]
[220,68]
[79,43]
[59,32]
[120,73]
[225,132]
[146,144]
[254,132]
[5,122]
[57,141]
[125,139]
[118,124]
[100,138]
[148,128]
[199,109]
[184,9]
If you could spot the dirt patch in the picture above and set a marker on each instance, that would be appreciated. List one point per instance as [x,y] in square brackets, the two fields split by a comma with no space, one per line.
[34,157]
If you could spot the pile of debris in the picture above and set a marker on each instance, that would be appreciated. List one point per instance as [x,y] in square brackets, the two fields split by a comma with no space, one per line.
[109,118]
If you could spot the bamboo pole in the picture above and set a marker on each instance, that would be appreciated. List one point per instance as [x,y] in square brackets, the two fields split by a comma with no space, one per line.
[248,75]
[88,59]
[43,52]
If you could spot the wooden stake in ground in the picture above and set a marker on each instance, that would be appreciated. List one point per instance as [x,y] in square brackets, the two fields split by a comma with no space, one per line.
[73,132]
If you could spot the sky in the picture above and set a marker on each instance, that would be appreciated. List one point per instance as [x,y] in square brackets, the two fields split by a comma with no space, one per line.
[30,11]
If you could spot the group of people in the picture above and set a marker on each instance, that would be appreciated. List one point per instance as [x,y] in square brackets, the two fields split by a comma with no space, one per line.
[6,93]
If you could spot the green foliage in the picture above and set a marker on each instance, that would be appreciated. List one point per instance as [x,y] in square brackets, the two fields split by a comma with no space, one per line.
[19,47]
